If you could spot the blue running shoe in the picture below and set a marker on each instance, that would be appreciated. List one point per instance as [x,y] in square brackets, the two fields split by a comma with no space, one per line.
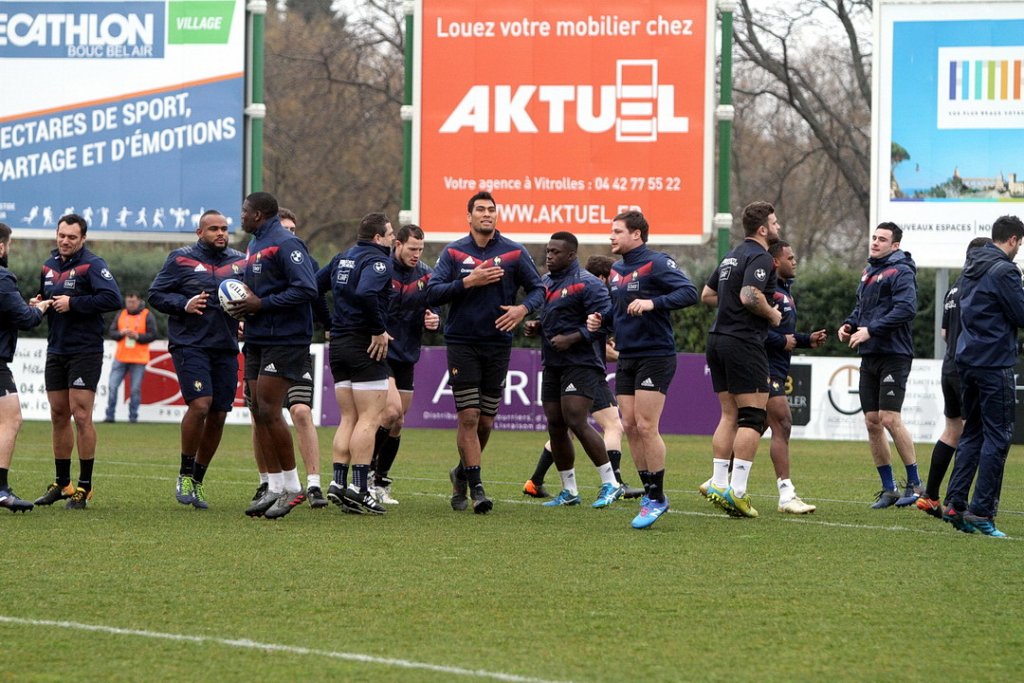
[985,525]
[650,511]
[719,498]
[910,495]
[608,494]
[563,498]
[953,516]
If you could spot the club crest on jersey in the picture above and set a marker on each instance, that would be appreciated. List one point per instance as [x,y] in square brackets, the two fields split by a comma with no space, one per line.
[565,291]
[420,285]
[497,260]
[235,269]
[198,385]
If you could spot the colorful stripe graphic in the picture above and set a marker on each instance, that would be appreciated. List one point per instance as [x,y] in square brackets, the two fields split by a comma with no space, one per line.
[984,79]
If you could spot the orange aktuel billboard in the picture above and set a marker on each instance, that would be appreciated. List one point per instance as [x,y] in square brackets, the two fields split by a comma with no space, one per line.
[568,112]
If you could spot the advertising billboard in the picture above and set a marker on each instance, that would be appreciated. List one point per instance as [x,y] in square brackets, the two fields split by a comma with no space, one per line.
[127,112]
[568,112]
[949,123]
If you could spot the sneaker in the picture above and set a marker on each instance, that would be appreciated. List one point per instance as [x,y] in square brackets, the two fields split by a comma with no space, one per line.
[363,502]
[985,525]
[930,506]
[460,488]
[608,494]
[260,490]
[78,499]
[953,516]
[55,492]
[336,494]
[741,504]
[718,497]
[795,506]
[10,501]
[563,498]
[185,489]
[285,503]
[481,503]
[910,495]
[631,492]
[650,511]
[259,507]
[535,490]
[886,499]
[316,497]
[703,488]
[383,494]
[199,495]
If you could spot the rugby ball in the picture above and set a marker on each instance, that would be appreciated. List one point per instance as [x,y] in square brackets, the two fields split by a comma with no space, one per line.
[231,290]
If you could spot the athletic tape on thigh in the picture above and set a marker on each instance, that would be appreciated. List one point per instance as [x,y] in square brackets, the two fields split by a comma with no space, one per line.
[466,398]
[300,394]
[489,405]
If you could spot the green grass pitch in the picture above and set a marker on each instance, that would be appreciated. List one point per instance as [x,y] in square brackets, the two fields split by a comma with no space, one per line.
[140,588]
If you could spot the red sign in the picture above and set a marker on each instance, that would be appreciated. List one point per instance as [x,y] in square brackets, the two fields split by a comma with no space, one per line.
[568,113]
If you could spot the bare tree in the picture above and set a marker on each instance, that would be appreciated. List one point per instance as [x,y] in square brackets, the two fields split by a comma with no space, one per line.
[333,136]
[803,123]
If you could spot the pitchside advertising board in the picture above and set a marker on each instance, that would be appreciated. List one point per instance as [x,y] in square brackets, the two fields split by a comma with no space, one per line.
[126,112]
[949,122]
[821,392]
[568,112]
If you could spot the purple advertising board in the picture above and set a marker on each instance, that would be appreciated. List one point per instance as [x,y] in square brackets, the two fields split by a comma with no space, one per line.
[691,406]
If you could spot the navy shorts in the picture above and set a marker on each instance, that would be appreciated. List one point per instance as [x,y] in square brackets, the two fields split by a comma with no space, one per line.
[403,373]
[351,363]
[737,366]
[644,374]
[883,382]
[604,398]
[207,372]
[951,407]
[7,385]
[73,371]
[301,393]
[480,367]
[287,362]
[570,380]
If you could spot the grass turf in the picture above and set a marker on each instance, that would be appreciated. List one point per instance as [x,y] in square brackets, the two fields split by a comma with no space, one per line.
[524,593]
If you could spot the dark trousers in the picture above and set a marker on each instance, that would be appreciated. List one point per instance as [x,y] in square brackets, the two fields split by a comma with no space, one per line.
[988,408]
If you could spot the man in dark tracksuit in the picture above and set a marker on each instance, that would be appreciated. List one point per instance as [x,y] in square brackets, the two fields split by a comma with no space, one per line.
[203,341]
[646,286]
[278,330]
[360,281]
[945,447]
[15,315]
[479,276]
[991,311]
[880,329]
[408,316]
[779,344]
[82,289]
[573,359]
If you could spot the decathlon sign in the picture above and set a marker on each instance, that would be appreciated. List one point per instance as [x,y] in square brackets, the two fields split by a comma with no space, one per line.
[549,107]
[82,30]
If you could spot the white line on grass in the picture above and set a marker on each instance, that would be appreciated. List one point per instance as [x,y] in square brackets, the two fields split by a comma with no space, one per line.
[245,643]
[805,519]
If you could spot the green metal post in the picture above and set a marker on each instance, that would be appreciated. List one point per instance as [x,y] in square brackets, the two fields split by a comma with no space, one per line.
[724,113]
[255,109]
[407,115]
